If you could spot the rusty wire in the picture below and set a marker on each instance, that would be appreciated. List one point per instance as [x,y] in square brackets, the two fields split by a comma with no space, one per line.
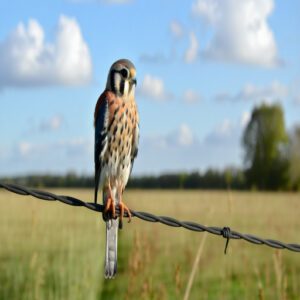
[225,232]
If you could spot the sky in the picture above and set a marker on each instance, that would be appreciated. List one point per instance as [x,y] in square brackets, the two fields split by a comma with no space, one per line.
[202,66]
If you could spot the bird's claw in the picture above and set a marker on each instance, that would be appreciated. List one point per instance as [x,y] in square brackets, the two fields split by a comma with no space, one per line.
[110,209]
[123,208]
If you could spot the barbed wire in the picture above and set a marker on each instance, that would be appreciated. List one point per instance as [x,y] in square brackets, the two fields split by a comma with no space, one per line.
[225,232]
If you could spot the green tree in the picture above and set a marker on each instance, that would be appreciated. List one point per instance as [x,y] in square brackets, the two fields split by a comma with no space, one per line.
[266,143]
[294,156]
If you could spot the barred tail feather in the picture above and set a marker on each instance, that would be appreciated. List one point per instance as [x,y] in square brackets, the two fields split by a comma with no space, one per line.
[111,249]
[111,253]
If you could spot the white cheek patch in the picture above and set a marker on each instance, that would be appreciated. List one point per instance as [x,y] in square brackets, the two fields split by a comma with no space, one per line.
[126,88]
[132,91]
[117,82]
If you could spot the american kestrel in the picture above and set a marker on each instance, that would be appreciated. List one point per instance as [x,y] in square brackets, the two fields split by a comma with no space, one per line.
[116,124]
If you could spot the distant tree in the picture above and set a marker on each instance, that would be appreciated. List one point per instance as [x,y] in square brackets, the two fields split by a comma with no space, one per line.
[228,177]
[294,157]
[266,142]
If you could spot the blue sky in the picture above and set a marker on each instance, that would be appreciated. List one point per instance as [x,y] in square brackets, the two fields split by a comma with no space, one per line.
[202,65]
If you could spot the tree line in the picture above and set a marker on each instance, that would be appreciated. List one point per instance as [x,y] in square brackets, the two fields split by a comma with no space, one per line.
[271,162]
[210,179]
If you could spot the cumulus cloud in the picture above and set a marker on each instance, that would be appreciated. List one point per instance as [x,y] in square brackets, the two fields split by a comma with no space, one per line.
[176,29]
[181,137]
[26,59]
[228,131]
[153,88]
[241,32]
[245,118]
[24,148]
[191,53]
[191,96]
[181,149]
[222,132]
[185,136]
[275,91]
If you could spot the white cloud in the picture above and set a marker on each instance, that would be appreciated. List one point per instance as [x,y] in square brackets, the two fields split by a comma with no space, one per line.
[221,133]
[153,87]
[208,10]
[245,118]
[241,32]
[24,148]
[176,29]
[180,137]
[191,96]
[181,150]
[185,136]
[275,91]
[191,54]
[228,131]
[225,128]
[26,59]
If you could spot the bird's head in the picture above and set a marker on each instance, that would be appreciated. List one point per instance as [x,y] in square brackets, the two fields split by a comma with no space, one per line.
[121,78]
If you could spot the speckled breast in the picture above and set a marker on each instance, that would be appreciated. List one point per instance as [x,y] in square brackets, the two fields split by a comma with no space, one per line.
[121,126]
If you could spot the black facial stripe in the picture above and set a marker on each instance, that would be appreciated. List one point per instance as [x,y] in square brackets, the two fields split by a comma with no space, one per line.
[122,86]
[112,81]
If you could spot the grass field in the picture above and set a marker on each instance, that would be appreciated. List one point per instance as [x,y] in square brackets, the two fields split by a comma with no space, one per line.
[53,251]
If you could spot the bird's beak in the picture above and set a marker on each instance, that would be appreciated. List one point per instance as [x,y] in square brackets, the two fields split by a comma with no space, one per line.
[133,81]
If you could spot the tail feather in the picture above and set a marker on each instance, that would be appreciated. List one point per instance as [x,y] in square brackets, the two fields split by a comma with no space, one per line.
[111,249]
[111,252]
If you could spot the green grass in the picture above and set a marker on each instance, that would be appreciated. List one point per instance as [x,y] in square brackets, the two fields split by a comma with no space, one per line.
[54,251]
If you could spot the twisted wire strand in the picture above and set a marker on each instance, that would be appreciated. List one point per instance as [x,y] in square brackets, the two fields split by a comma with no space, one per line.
[225,232]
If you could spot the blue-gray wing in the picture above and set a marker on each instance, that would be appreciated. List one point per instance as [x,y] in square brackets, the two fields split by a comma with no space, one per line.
[101,124]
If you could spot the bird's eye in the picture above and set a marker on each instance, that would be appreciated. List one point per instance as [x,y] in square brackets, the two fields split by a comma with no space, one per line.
[124,73]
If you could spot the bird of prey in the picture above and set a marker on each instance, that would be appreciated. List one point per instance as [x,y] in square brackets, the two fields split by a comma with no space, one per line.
[116,124]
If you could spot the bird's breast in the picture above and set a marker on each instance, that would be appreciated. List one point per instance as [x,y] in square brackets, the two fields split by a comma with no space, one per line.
[122,122]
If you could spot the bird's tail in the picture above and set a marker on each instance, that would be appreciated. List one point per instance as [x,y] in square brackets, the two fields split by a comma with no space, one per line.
[111,250]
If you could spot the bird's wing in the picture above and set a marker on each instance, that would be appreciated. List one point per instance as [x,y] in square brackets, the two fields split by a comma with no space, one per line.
[135,141]
[101,119]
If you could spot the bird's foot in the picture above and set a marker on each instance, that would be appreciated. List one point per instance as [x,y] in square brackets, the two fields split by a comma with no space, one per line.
[123,208]
[110,209]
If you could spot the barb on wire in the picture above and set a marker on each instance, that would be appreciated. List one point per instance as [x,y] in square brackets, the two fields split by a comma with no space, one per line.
[224,232]
[226,235]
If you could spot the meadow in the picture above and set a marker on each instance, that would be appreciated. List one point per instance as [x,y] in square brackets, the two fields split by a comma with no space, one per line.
[49,250]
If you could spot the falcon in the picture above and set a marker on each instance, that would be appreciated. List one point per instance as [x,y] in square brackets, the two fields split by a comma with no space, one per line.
[116,123]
